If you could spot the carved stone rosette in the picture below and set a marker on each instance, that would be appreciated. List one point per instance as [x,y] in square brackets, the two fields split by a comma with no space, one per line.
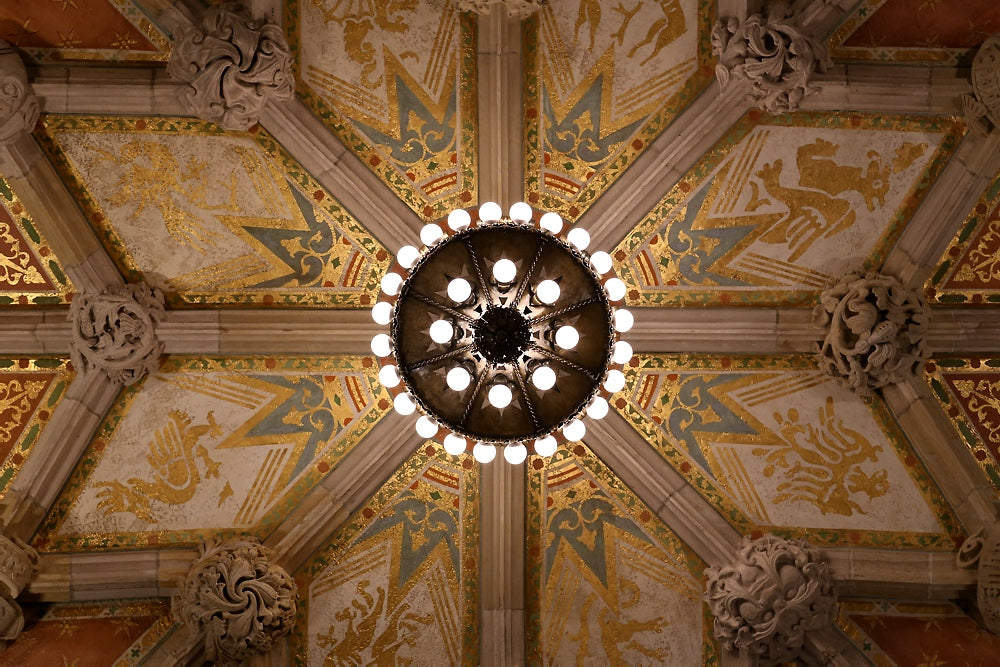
[875,331]
[238,599]
[520,8]
[982,107]
[18,565]
[18,104]
[769,597]
[773,53]
[115,332]
[983,549]
[233,65]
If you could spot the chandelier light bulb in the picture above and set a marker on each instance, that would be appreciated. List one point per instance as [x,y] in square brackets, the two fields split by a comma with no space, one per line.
[504,271]
[551,222]
[545,446]
[598,408]
[574,431]
[431,234]
[579,238]
[543,378]
[381,345]
[441,331]
[547,292]
[458,378]
[459,290]
[621,352]
[515,454]
[403,403]
[407,256]
[623,320]
[615,381]
[490,212]
[615,289]
[567,337]
[601,261]
[389,376]
[454,444]
[426,427]
[520,212]
[500,396]
[484,453]
[382,312]
[459,219]
[391,282]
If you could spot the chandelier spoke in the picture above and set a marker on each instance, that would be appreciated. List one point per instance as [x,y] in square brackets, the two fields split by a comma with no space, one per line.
[450,354]
[434,303]
[528,403]
[563,360]
[541,319]
[480,380]
[483,285]
[530,272]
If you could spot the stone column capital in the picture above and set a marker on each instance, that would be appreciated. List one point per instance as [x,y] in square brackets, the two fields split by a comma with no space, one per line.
[18,104]
[18,565]
[982,106]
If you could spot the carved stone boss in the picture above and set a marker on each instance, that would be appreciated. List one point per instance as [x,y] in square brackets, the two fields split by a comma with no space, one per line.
[238,599]
[772,594]
[982,107]
[983,549]
[875,331]
[115,332]
[520,8]
[18,565]
[773,53]
[18,104]
[233,67]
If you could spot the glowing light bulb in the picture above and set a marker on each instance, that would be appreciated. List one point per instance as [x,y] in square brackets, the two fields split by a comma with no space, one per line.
[543,378]
[575,430]
[579,238]
[391,282]
[459,290]
[545,446]
[547,292]
[458,378]
[621,352]
[520,212]
[567,337]
[515,454]
[500,396]
[615,289]
[389,376]
[403,403]
[426,428]
[381,345]
[382,312]
[484,453]
[441,331]
[490,212]
[601,261]
[623,320]
[504,271]
[615,381]
[431,234]
[598,408]
[454,444]
[407,256]
[551,222]
[459,219]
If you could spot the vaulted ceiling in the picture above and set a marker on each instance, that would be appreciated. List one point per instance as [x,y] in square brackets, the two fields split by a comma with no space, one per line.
[725,222]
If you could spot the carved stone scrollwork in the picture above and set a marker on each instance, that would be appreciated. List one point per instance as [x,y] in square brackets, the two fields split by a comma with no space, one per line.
[115,332]
[773,53]
[18,104]
[520,8]
[875,331]
[982,107]
[772,594]
[233,66]
[983,549]
[238,599]
[18,565]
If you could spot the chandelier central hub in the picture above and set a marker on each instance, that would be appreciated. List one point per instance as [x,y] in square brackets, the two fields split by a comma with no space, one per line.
[501,335]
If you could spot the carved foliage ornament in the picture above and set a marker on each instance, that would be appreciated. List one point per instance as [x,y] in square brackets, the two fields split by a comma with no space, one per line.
[239,600]
[18,564]
[982,107]
[983,549]
[771,52]
[115,332]
[769,597]
[234,66]
[18,104]
[520,8]
[875,331]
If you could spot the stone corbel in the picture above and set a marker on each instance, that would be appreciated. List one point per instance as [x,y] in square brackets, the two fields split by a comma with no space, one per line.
[18,565]
[771,52]
[766,601]
[237,600]
[233,65]
[982,550]
[18,104]
[520,8]
[982,106]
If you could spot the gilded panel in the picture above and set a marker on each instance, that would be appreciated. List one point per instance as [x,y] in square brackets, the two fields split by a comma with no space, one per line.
[602,80]
[122,633]
[396,81]
[608,583]
[776,445]
[969,392]
[891,633]
[63,30]
[398,585]
[226,445]
[213,217]
[30,274]
[783,206]
[969,272]
[30,390]
[916,31]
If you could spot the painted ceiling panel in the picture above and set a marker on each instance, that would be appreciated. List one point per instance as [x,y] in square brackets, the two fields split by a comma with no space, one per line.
[246,226]
[29,273]
[783,206]
[828,467]
[396,82]
[602,80]
[61,30]
[30,390]
[907,31]
[211,445]
[399,583]
[608,583]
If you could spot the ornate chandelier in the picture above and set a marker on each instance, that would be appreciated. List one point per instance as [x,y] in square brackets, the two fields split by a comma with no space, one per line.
[503,332]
